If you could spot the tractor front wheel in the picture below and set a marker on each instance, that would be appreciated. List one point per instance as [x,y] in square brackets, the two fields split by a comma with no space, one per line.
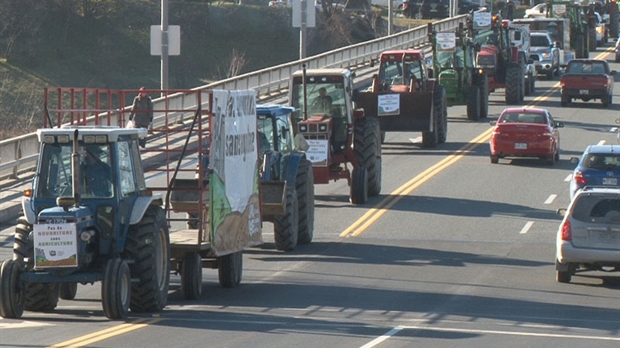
[12,298]
[359,185]
[116,289]
[285,226]
[473,103]
[367,148]
[305,200]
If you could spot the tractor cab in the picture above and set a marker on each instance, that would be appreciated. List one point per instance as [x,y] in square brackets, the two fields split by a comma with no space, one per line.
[402,71]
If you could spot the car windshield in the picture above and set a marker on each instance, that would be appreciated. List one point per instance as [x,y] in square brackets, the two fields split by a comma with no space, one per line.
[594,208]
[540,41]
[602,161]
[523,118]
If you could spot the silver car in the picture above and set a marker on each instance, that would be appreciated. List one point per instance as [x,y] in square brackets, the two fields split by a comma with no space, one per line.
[545,54]
[589,236]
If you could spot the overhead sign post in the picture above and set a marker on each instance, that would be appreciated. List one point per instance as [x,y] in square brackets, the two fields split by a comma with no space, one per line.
[165,41]
[304,16]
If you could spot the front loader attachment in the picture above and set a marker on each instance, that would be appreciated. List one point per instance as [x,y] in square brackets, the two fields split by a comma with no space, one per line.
[401,112]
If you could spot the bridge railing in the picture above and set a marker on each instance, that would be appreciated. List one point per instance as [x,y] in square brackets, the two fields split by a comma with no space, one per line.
[19,154]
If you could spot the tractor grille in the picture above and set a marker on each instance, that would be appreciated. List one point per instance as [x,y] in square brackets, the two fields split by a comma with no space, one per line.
[315,136]
[309,128]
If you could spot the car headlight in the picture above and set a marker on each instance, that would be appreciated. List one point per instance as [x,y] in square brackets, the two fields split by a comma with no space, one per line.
[599,30]
[546,54]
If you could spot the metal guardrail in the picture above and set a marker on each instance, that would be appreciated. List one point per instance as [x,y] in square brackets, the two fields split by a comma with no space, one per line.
[18,155]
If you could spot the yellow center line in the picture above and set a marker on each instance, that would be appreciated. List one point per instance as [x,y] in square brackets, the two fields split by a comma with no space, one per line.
[107,333]
[372,215]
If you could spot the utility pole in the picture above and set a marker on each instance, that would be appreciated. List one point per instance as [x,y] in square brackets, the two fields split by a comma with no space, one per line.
[164,45]
[302,31]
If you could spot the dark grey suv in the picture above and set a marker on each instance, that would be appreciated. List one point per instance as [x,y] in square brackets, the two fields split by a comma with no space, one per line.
[589,236]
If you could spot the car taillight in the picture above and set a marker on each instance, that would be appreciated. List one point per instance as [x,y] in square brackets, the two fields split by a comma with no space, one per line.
[579,178]
[566,231]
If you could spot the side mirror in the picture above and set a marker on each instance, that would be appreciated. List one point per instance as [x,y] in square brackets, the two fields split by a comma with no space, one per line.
[284,132]
[613,72]
[354,95]
[561,211]
[559,125]
[574,160]
[492,123]
[517,36]
[430,73]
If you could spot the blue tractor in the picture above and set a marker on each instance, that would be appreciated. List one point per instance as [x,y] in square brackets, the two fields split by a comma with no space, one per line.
[287,180]
[88,218]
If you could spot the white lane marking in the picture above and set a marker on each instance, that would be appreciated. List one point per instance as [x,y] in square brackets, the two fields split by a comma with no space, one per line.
[495,332]
[614,129]
[551,199]
[22,325]
[602,142]
[382,338]
[527,227]
[567,179]
[416,140]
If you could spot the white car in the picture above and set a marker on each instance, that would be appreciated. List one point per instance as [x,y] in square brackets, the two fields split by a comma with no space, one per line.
[538,11]
[589,236]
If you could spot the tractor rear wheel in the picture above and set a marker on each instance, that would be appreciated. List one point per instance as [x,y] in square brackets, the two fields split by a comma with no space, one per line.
[359,185]
[473,103]
[305,201]
[285,226]
[191,276]
[484,97]
[514,84]
[441,103]
[230,269]
[148,246]
[614,21]
[592,40]
[22,245]
[41,297]
[12,298]
[116,289]
[367,148]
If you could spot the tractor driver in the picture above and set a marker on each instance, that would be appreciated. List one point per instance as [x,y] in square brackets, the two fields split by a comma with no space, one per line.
[322,103]
[97,173]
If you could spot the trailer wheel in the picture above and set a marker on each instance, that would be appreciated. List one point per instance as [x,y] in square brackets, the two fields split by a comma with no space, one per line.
[230,269]
[514,83]
[367,148]
[41,297]
[148,246]
[22,245]
[473,103]
[116,289]
[12,298]
[441,103]
[191,276]
[285,226]
[359,185]
[305,201]
[68,291]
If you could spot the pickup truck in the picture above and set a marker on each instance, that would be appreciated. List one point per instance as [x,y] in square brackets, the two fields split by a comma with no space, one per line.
[588,79]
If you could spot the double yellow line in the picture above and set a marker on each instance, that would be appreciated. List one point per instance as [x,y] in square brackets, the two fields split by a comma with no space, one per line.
[107,333]
[359,226]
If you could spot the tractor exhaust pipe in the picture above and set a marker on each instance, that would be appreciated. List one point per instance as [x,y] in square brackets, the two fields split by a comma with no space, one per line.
[303,83]
[75,163]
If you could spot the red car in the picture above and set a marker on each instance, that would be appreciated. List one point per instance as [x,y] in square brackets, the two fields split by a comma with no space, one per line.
[525,132]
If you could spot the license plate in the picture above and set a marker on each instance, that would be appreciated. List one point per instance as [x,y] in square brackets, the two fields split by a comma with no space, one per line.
[610,181]
[521,146]
[583,91]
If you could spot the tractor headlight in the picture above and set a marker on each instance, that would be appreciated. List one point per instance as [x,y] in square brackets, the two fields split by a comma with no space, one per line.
[323,128]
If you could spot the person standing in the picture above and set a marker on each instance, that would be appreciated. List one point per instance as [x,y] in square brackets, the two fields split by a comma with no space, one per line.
[142,112]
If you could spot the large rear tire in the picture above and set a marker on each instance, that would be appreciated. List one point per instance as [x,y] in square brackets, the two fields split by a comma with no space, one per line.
[592,40]
[305,200]
[484,97]
[230,269]
[22,245]
[514,84]
[473,103]
[148,246]
[116,289]
[367,148]
[441,102]
[191,276]
[285,226]
[359,185]
[12,298]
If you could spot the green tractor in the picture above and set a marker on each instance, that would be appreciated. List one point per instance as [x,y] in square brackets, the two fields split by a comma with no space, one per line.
[454,66]
[580,31]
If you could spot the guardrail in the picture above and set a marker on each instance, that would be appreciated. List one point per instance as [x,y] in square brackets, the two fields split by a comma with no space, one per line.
[18,155]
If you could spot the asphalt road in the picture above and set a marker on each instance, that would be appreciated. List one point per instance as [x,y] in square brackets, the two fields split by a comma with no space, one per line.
[455,252]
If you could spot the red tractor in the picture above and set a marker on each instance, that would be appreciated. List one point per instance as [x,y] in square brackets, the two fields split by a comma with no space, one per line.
[406,98]
[337,134]
[503,63]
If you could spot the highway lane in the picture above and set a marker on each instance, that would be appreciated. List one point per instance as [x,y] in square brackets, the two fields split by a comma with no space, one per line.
[454,261]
